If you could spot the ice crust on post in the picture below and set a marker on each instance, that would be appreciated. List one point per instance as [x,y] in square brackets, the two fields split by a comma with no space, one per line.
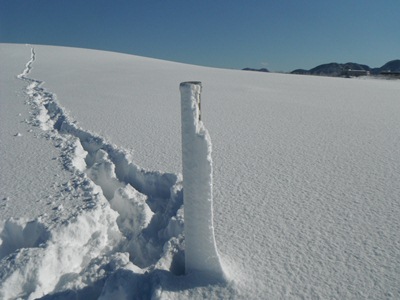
[201,253]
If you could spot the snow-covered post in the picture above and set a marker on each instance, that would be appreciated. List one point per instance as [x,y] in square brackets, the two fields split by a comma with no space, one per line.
[201,253]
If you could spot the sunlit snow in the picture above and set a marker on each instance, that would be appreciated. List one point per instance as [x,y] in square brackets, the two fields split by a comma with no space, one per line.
[306,180]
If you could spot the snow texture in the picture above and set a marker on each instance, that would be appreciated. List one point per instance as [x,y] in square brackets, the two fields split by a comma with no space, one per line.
[201,253]
[128,212]
[305,187]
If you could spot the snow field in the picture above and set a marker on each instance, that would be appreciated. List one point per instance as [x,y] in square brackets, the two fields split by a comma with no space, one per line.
[306,173]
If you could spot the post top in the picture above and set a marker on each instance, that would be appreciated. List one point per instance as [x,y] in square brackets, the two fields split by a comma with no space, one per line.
[188,83]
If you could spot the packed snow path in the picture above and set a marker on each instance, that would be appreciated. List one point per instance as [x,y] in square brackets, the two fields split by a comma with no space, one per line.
[145,219]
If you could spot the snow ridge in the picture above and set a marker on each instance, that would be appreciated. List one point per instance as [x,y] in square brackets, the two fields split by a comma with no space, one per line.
[126,210]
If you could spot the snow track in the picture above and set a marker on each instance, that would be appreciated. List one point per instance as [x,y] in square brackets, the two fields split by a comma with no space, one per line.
[125,209]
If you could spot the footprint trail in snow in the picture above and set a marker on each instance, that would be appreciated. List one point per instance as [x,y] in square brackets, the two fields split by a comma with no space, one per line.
[125,210]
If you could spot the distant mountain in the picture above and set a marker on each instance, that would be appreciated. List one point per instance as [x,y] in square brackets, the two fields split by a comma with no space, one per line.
[333,69]
[391,66]
[349,69]
[257,70]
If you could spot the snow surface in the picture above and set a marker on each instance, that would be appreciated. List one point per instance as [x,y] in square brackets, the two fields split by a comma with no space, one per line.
[306,180]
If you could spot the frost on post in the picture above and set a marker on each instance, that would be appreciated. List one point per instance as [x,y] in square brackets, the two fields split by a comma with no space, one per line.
[201,253]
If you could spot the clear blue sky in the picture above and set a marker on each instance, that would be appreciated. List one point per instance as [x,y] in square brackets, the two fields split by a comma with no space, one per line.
[281,35]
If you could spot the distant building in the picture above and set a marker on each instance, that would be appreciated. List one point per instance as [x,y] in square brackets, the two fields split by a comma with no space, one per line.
[390,74]
[355,73]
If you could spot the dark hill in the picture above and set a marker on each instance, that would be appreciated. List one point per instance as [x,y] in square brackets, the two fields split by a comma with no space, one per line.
[350,69]
[257,70]
[391,66]
[333,69]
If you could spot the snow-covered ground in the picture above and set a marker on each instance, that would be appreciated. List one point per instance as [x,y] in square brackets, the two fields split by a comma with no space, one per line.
[306,180]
